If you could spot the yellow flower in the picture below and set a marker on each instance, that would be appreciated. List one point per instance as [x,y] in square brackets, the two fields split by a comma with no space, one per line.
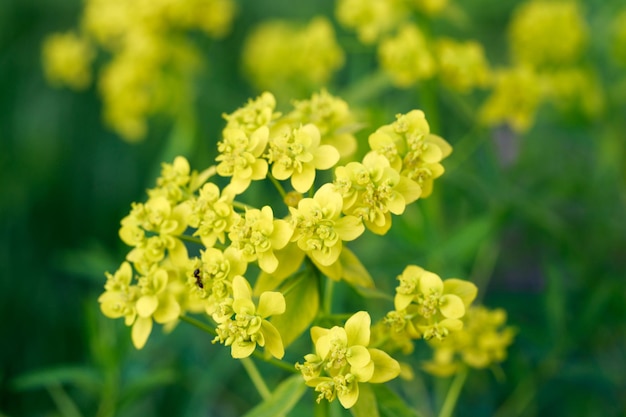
[292,60]
[249,327]
[428,306]
[371,19]
[372,190]
[211,278]
[66,60]
[152,229]
[481,343]
[342,359]
[430,7]
[462,65]
[319,228]
[516,95]
[297,153]
[212,214]
[411,149]
[150,299]
[257,234]
[240,157]
[544,33]
[257,113]
[406,57]
[333,118]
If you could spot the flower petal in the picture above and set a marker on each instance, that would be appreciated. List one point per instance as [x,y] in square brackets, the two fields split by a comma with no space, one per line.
[146,305]
[273,341]
[141,331]
[271,303]
[358,329]
[451,306]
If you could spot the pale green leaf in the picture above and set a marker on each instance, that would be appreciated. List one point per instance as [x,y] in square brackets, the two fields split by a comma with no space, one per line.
[282,400]
[354,273]
[366,405]
[301,306]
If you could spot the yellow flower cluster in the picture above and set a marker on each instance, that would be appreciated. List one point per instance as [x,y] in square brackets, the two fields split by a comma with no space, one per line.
[290,59]
[405,53]
[151,64]
[427,306]
[547,42]
[162,279]
[481,343]
[342,359]
[68,58]
[544,33]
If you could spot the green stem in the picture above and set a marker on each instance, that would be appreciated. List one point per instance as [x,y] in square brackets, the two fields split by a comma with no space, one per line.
[272,361]
[257,379]
[278,185]
[242,206]
[453,393]
[327,305]
[190,239]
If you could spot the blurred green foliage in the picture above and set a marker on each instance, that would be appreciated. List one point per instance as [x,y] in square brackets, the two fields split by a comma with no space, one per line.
[536,221]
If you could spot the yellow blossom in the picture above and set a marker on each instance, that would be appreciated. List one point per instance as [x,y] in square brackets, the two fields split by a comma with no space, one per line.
[248,326]
[152,229]
[319,228]
[295,154]
[547,33]
[426,306]
[211,277]
[257,235]
[240,157]
[372,190]
[411,149]
[333,118]
[290,59]
[462,65]
[430,7]
[212,214]
[67,58]
[481,343]
[342,359]
[516,95]
[256,113]
[371,19]
[406,57]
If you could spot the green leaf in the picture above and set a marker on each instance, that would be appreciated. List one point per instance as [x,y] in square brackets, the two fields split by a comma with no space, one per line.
[82,377]
[302,304]
[366,405]
[282,400]
[354,273]
[390,404]
[463,244]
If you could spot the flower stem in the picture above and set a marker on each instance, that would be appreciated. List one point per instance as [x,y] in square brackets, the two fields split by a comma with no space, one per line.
[278,185]
[205,327]
[190,239]
[257,379]
[453,393]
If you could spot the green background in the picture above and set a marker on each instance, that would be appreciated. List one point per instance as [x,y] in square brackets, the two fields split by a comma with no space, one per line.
[536,220]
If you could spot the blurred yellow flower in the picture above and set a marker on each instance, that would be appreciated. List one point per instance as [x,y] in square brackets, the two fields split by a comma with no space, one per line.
[516,95]
[292,60]
[67,59]
[152,62]
[371,19]
[406,57]
[545,33]
[481,343]
[462,65]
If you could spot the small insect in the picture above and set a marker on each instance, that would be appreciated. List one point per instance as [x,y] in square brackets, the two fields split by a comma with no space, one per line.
[196,275]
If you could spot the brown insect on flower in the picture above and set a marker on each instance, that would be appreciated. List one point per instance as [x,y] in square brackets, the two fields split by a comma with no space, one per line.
[196,275]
